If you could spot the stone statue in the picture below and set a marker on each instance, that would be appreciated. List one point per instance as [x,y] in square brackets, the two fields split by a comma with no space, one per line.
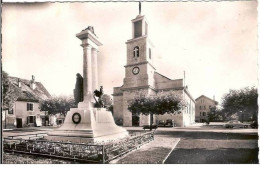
[99,94]
[78,91]
[90,28]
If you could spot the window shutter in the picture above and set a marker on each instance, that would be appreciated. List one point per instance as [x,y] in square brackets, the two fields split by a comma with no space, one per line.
[27,119]
[34,119]
[31,107]
[28,106]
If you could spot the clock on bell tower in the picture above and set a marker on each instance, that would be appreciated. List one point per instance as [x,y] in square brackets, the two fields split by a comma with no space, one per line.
[139,70]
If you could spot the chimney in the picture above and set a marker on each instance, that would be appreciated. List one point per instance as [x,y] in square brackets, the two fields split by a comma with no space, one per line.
[213,97]
[19,82]
[32,83]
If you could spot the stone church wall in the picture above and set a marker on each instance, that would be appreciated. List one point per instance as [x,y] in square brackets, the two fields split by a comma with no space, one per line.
[189,112]
[137,81]
[169,84]
[178,118]
[127,97]
[118,107]
[186,117]
[142,51]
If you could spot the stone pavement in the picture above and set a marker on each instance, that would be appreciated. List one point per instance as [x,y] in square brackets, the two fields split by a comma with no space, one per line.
[156,152]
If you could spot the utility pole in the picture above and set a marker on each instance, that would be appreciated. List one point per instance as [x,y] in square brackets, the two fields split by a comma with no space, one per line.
[140,8]
[5,118]
[184,78]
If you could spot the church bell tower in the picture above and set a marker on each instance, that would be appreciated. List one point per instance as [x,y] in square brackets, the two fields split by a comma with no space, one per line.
[139,70]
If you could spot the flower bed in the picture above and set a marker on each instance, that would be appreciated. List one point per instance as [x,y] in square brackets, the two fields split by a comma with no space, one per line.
[87,153]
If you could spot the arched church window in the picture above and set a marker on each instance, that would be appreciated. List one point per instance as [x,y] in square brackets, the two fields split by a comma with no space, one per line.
[150,53]
[136,51]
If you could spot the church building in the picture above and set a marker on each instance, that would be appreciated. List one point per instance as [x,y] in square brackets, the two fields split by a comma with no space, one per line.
[141,76]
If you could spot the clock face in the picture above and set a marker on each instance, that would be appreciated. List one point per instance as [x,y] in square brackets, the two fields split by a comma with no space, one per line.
[135,70]
[76,118]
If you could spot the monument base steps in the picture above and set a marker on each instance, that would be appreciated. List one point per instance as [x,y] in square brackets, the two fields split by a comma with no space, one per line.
[96,125]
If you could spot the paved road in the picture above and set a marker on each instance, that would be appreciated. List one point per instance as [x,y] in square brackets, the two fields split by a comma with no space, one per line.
[198,144]
[213,145]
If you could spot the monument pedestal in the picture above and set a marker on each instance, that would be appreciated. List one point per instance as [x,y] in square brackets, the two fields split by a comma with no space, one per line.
[96,125]
[86,124]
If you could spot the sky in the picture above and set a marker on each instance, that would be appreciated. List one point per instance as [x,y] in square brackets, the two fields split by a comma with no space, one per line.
[215,43]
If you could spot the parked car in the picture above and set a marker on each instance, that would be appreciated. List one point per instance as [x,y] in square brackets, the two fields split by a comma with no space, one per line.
[236,124]
[161,123]
[169,122]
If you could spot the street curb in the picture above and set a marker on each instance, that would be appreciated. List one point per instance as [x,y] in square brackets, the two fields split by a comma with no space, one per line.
[178,140]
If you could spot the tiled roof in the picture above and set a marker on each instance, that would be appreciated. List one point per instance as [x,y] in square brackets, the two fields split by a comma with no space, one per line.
[29,94]
[207,98]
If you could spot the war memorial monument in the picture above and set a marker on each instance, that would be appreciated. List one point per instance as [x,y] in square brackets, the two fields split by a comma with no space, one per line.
[86,123]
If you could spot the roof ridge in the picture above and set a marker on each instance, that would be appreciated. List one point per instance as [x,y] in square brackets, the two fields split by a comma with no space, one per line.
[206,97]
[40,92]
[162,75]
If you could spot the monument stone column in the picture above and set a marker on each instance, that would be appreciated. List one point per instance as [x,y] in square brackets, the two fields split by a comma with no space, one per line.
[94,56]
[87,72]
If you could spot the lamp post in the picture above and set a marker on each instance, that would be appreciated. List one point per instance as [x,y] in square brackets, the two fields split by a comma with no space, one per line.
[242,116]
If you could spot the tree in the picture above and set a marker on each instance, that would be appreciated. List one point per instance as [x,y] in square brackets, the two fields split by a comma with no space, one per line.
[216,114]
[241,102]
[164,102]
[107,100]
[61,104]
[10,92]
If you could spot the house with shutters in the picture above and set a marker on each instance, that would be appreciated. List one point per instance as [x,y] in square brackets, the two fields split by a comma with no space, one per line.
[26,109]
[202,107]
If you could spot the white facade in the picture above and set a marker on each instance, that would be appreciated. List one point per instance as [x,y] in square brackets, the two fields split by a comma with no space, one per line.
[21,116]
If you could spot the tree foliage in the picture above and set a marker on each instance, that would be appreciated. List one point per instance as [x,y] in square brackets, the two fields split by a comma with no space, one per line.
[216,115]
[55,105]
[243,101]
[10,93]
[162,103]
[107,100]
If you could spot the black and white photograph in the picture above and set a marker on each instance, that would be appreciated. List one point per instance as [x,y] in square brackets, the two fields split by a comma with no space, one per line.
[129,82]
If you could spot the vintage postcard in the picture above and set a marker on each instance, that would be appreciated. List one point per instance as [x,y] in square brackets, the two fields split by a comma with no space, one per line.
[135,82]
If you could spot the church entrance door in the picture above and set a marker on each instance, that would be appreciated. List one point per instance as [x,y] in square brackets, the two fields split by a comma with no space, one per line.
[135,120]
